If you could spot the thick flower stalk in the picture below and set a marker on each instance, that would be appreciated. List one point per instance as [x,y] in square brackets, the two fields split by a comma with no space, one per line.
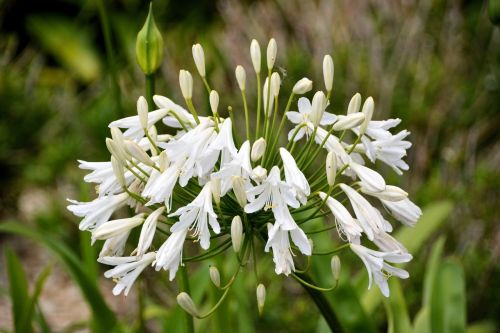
[208,185]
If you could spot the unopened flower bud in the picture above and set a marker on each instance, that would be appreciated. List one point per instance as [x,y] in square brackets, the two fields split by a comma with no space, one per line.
[275,84]
[261,297]
[115,150]
[214,101]
[328,71]
[354,104]
[258,149]
[349,121]
[163,161]
[215,276]
[259,174]
[318,107]
[239,190]
[149,45]
[272,49]
[118,171]
[199,59]
[142,111]
[241,77]
[335,264]
[302,86]
[331,168]
[368,111]
[255,55]
[236,233]
[187,304]
[215,187]
[138,153]
[186,83]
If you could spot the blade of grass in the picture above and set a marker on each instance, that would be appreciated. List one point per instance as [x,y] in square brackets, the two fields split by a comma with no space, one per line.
[18,290]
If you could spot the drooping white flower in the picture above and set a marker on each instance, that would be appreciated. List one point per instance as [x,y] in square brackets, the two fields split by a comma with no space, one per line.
[169,256]
[114,246]
[117,227]
[102,174]
[197,216]
[303,116]
[279,242]
[345,223]
[387,243]
[377,267]
[174,113]
[369,217]
[126,271]
[148,231]
[98,211]
[404,211]
[238,167]
[390,193]
[160,186]
[133,124]
[370,179]
[294,177]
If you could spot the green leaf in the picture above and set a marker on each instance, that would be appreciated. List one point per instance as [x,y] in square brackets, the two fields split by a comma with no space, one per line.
[421,323]
[431,269]
[413,238]
[18,290]
[104,320]
[448,305]
[397,311]
[29,310]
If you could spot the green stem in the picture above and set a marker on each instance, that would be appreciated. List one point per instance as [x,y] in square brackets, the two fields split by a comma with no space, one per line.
[150,90]
[184,286]
[321,302]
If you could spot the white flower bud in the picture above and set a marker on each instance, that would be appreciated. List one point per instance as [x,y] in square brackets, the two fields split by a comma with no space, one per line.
[239,190]
[118,171]
[116,227]
[215,276]
[272,49]
[215,187]
[390,193]
[302,86]
[163,161]
[241,77]
[328,71]
[255,55]
[354,104]
[368,111]
[187,304]
[186,83]
[236,233]
[116,151]
[142,111]
[275,84]
[259,174]
[349,121]
[331,168]
[261,297]
[199,59]
[318,107]
[138,153]
[214,101]
[335,264]
[258,149]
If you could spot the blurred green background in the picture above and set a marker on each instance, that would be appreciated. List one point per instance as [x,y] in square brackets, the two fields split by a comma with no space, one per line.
[67,69]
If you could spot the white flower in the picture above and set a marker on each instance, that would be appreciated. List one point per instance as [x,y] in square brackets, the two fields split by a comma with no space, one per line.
[238,167]
[332,144]
[280,244]
[134,126]
[98,211]
[302,86]
[148,231]
[199,59]
[114,246]
[126,271]
[241,77]
[304,117]
[294,177]
[378,269]
[160,186]
[197,215]
[102,174]
[116,227]
[169,256]
[404,211]
[369,217]
[328,70]
[345,223]
[174,111]
[370,179]
[390,193]
[387,243]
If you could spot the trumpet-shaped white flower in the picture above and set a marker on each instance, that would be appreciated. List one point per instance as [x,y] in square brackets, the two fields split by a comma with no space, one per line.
[239,167]
[148,231]
[114,246]
[116,227]
[377,267]
[160,186]
[279,242]
[126,271]
[303,116]
[294,177]
[175,113]
[345,223]
[133,124]
[169,256]
[404,211]
[98,211]
[198,215]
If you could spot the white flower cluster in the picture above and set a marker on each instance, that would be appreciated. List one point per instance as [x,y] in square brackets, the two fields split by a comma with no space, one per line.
[201,184]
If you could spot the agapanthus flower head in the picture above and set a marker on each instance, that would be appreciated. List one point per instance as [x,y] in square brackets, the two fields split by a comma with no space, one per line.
[207,184]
